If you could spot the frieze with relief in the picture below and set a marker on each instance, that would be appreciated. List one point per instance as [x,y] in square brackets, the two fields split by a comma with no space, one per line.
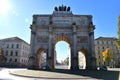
[42,39]
[63,33]
[83,21]
[42,20]
[82,39]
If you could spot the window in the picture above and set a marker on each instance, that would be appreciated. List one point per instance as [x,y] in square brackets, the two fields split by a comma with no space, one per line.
[107,42]
[15,60]
[16,53]
[103,47]
[6,59]
[12,45]
[99,57]
[97,42]
[111,42]
[10,60]
[102,42]
[17,46]
[22,60]
[11,54]
[7,45]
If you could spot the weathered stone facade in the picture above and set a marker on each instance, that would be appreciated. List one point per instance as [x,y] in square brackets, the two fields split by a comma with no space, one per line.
[15,51]
[76,30]
[101,44]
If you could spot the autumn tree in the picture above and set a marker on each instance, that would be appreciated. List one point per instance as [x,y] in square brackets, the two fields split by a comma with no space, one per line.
[107,56]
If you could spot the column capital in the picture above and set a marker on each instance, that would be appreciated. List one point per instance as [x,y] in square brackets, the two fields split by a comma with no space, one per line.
[33,27]
[91,27]
[33,32]
[91,33]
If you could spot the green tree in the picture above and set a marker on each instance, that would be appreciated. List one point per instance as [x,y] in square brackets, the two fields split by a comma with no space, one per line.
[107,56]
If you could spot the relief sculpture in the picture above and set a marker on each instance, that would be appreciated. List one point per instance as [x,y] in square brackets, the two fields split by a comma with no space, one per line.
[82,39]
[42,39]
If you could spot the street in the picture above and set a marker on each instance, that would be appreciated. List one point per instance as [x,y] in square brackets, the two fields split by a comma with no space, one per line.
[4,75]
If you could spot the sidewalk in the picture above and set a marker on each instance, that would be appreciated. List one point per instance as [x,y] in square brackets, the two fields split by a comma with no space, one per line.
[68,74]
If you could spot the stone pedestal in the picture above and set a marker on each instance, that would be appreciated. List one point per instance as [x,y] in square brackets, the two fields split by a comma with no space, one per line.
[50,63]
[74,63]
[91,65]
[32,64]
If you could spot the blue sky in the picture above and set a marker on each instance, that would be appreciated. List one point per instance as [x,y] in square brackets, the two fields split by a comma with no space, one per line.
[17,16]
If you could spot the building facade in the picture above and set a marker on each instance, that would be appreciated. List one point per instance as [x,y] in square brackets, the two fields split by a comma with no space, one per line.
[101,44]
[2,58]
[16,51]
[62,25]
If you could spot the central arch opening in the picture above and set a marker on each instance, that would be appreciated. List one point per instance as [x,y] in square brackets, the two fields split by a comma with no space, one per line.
[62,53]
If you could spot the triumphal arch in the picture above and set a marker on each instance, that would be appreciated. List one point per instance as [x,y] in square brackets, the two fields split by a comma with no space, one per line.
[62,25]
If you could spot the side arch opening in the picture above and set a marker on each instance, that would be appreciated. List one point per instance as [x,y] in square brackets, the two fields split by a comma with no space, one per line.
[82,58]
[41,59]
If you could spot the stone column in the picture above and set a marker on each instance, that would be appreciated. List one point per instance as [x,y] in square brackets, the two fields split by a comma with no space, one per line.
[92,58]
[32,57]
[92,43]
[50,57]
[74,54]
[50,44]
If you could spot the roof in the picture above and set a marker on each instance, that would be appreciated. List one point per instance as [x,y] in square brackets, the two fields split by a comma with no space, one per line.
[14,39]
[106,38]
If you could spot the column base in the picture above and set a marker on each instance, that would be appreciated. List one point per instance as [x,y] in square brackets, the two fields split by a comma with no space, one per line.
[91,68]
[74,68]
[50,63]
[92,64]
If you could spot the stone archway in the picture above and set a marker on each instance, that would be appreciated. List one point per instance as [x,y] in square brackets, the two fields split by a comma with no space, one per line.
[62,38]
[40,58]
[76,30]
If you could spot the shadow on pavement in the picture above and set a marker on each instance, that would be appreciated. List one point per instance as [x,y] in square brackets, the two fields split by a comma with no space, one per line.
[104,75]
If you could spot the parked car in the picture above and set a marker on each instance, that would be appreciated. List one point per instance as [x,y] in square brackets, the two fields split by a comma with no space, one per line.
[104,68]
[43,65]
